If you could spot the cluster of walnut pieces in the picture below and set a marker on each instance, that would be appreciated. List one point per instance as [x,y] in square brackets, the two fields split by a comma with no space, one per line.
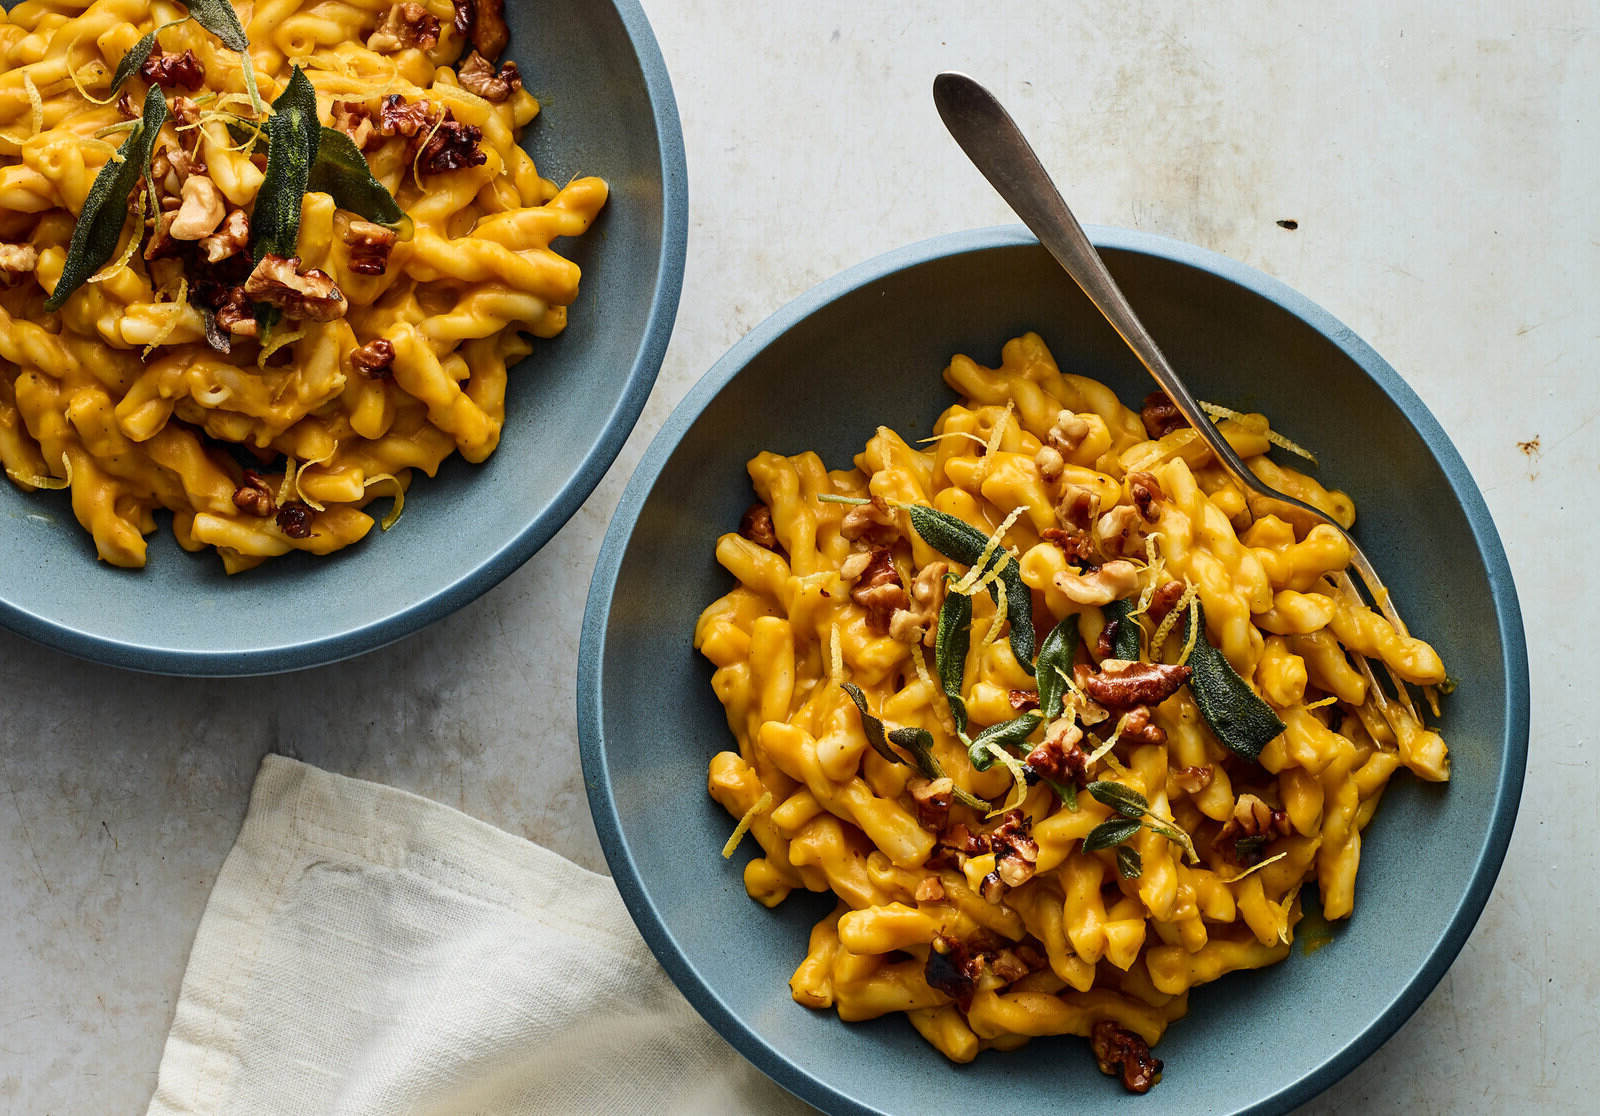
[173,71]
[956,966]
[1120,1052]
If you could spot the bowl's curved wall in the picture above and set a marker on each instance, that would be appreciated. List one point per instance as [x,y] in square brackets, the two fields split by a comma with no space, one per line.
[867,348]
[608,110]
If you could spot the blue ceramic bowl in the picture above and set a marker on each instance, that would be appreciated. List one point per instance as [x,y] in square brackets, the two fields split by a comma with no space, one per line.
[608,110]
[866,348]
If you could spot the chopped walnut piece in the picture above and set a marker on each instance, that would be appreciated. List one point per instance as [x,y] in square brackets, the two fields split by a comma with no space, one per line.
[1077,506]
[235,315]
[1075,544]
[229,239]
[992,888]
[1023,700]
[955,845]
[851,569]
[1145,490]
[1061,757]
[308,295]
[756,525]
[1193,779]
[874,522]
[160,243]
[369,245]
[354,119]
[479,76]
[930,890]
[1015,850]
[185,113]
[1164,599]
[405,26]
[1110,582]
[1007,966]
[1049,462]
[125,107]
[452,146]
[16,261]
[1139,727]
[294,519]
[1120,532]
[1068,433]
[952,969]
[879,589]
[1105,643]
[253,497]
[171,71]
[202,209]
[483,23]
[1122,684]
[916,622]
[397,117]
[1252,817]
[1160,415]
[374,360]
[1120,1052]
[932,798]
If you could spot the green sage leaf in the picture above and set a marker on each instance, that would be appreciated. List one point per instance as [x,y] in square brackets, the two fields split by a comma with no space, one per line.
[219,18]
[919,742]
[1109,833]
[1120,797]
[871,725]
[341,171]
[293,135]
[1125,637]
[105,209]
[1055,660]
[950,654]
[1130,865]
[1007,734]
[960,541]
[1243,722]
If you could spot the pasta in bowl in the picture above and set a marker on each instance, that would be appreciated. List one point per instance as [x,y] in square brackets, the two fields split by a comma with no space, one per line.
[864,351]
[258,296]
[1128,724]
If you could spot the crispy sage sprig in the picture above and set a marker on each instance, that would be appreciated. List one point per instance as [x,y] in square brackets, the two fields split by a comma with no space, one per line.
[1240,719]
[219,18]
[960,541]
[1134,809]
[105,209]
[138,53]
[950,655]
[340,170]
[917,741]
[1055,665]
[293,136]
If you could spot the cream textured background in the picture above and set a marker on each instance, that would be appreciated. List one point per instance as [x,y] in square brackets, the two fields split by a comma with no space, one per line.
[1442,166]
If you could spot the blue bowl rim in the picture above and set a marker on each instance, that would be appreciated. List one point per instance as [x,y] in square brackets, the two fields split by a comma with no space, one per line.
[773,1062]
[495,567]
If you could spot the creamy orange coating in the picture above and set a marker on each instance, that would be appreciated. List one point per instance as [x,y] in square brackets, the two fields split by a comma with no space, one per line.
[841,818]
[138,433]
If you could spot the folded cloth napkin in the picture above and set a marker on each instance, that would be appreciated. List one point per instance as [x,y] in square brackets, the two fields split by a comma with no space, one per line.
[368,951]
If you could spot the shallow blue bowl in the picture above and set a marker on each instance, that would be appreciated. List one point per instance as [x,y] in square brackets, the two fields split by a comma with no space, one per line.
[866,348]
[608,110]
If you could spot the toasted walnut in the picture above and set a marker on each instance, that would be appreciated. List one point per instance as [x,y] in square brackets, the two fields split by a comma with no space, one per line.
[1164,600]
[185,113]
[479,76]
[1160,415]
[915,623]
[1050,463]
[452,146]
[955,845]
[992,888]
[932,798]
[202,210]
[125,107]
[375,359]
[160,243]
[930,890]
[1110,582]
[397,117]
[1193,779]
[253,497]
[1119,1052]
[309,295]
[229,239]
[1119,532]
[1253,817]
[952,969]
[1015,850]
[1122,684]
[879,590]
[17,261]
[1061,756]
[1077,506]
[369,245]
[1009,965]
[851,569]
[1105,644]
[170,169]
[1075,544]
[1068,433]
[756,525]
[405,26]
[1139,727]
[1145,490]
[483,23]
[874,522]
[1023,700]
[235,315]
[294,519]
[354,119]
[171,71]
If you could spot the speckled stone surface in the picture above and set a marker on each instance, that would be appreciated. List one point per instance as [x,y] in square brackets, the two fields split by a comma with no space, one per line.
[1441,173]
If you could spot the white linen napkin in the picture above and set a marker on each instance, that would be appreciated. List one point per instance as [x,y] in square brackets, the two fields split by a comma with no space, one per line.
[368,951]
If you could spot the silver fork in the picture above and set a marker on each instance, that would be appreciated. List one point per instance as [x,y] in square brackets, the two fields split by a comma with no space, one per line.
[997,147]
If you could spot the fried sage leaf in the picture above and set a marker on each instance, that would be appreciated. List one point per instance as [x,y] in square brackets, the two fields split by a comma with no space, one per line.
[1055,664]
[870,724]
[1240,719]
[138,53]
[960,541]
[1110,833]
[1006,734]
[919,742]
[950,654]
[293,136]
[1120,797]
[341,171]
[105,209]
[219,18]
[1130,865]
